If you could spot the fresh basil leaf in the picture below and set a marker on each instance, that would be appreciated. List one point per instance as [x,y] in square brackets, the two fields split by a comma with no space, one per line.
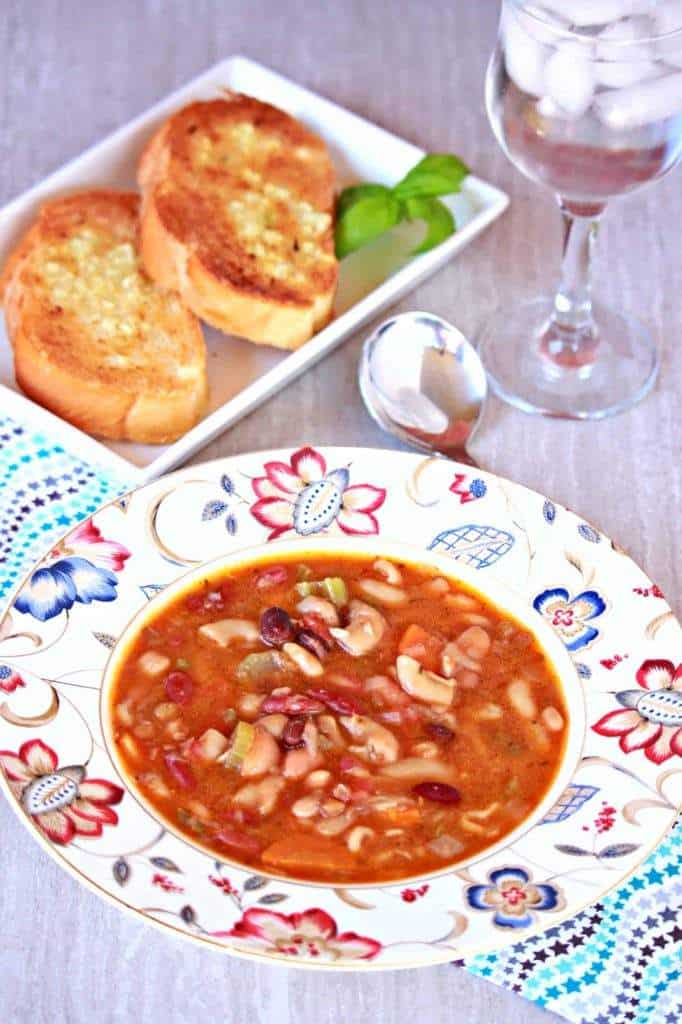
[365,218]
[440,223]
[438,174]
[353,193]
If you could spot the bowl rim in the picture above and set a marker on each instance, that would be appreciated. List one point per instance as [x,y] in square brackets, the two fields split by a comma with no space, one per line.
[506,599]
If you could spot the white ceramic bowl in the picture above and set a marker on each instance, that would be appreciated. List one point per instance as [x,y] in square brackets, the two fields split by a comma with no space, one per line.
[503,598]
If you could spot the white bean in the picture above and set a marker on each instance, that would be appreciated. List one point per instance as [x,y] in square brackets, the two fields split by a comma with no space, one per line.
[475,642]
[177,731]
[462,601]
[262,756]
[331,808]
[275,724]
[226,631]
[329,728]
[334,826]
[261,796]
[384,593]
[131,748]
[304,661]
[306,807]
[389,571]
[249,705]
[521,699]
[298,763]
[166,710]
[436,587]
[427,749]
[124,714]
[454,658]
[474,619]
[318,779]
[552,719]
[152,663]
[313,605]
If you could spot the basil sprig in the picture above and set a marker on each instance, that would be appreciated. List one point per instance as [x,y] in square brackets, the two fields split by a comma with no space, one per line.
[363,212]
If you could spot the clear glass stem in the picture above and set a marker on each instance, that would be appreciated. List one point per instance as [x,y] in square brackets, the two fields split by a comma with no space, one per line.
[571,337]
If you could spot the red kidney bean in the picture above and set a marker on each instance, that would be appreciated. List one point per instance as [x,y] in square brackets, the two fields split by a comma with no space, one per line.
[312,642]
[316,624]
[275,576]
[180,770]
[292,737]
[439,732]
[238,841]
[291,704]
[440,792]
[335,702]
[179,687]
[276,627]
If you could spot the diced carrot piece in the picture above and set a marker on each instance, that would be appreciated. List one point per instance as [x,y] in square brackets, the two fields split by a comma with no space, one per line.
[400,816]
[307,851]
[423,646]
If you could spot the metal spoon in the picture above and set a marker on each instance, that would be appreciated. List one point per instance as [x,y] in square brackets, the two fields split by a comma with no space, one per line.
[423,382]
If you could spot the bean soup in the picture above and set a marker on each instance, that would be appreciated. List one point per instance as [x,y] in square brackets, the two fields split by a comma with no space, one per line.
[340,719]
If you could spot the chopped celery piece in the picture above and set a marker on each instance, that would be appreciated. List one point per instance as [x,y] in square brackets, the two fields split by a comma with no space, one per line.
[303,572]
[259,665]
[229,716]
[181,663]
[242,738]
[189,820]
[332,587]
[336,590]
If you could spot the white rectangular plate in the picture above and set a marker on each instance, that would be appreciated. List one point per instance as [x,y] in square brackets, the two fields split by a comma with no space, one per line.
[242,375]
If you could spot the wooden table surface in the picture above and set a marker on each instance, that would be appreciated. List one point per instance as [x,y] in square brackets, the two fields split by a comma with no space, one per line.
[71,72]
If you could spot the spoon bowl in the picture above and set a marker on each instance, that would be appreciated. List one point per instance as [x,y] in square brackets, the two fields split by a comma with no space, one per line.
[423,382]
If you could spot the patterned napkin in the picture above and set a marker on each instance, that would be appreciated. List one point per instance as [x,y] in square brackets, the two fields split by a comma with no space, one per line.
[617,962]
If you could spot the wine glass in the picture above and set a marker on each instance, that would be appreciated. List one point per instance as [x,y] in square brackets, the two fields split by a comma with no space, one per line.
[585,97]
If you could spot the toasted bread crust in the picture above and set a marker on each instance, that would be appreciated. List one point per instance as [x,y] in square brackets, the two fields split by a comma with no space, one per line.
[237,217]
[94,340]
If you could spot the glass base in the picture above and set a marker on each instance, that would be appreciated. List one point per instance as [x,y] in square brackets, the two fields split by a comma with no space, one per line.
[539,368]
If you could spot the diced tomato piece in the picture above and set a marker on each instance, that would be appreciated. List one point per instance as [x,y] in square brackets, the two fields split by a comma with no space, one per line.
[423,646]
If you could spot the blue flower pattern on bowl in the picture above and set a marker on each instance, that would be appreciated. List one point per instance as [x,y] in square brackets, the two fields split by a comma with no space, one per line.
[513,897]
[56,587]
[571,617]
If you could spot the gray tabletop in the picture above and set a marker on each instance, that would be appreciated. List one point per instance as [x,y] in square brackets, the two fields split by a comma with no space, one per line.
[72,72]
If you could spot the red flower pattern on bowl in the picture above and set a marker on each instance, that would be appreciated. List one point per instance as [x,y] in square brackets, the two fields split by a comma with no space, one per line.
[62,801]
[313,933]
[651,718]
[304,497]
